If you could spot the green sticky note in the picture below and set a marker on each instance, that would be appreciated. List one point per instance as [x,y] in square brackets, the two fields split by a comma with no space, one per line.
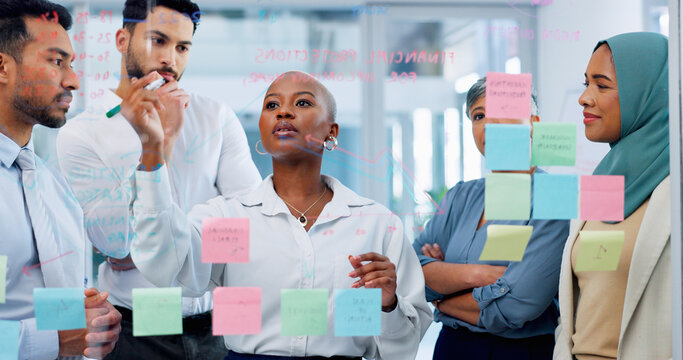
[157,311]
[304,312]
[599,250]
[507,197]
[553,144]
[3,277]
[506,242]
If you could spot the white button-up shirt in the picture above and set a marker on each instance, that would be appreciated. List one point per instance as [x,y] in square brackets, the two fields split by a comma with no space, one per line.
[283,255]
[98,155]
[18,243]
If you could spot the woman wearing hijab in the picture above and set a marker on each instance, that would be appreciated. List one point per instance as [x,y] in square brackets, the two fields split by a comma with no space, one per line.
[306,231]
[625,314]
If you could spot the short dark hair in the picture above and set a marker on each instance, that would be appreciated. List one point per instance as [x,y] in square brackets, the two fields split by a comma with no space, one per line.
[136,11]
[14,34]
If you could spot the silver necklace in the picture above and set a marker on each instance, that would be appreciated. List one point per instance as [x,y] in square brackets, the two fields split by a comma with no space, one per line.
[302,219]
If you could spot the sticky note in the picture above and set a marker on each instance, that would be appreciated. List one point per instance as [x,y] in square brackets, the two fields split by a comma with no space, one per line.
[59,308]
[602,197]
[357,312]
[507,147]
[225,240]
[9,340]
[157,311]
[553,144]
[505,242]
[556,196]
[236,310]
[508,96]
[507,197]
[3,277]
[598,250]
[303,312]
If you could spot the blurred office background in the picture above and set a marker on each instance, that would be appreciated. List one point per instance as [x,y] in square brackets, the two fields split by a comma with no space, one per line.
[404,141]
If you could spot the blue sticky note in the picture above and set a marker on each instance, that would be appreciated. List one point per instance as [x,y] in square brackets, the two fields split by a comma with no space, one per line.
[59,308]
[508,147]
[9,341]
[357,312]
[555,196]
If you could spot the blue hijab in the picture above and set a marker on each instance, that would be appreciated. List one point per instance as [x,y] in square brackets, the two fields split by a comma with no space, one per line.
[642,152]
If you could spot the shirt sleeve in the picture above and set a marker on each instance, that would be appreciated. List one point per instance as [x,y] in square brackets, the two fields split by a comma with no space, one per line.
[403,327]
[37,345]
[528,287]
[235,158]
[437,231]
[167,247]
[103,192]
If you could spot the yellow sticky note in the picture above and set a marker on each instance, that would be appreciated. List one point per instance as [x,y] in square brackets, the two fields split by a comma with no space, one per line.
[506,242]
[3,277]
[599,250]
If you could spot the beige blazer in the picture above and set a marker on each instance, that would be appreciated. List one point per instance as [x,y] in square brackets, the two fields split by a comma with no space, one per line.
[646,319]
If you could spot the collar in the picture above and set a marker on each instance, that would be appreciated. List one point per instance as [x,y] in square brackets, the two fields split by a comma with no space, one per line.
[342,200]
[9,150]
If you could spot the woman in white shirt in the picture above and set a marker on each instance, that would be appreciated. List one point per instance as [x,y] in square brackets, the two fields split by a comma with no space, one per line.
[307,231]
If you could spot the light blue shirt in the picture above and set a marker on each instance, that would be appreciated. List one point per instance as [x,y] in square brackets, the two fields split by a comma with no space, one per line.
[19,245]
[520,303]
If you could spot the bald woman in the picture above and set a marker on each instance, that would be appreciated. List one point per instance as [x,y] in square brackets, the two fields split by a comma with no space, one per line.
[307,231]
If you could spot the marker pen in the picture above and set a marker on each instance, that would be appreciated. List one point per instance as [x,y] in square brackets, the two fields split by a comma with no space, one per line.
[151,86]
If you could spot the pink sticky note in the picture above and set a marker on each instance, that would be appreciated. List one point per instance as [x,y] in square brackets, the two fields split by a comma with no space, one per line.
[508,96]
[236,310]
[602,197]
[225,240]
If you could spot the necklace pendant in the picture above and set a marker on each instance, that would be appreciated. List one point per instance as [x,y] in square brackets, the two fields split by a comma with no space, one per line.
[302,220]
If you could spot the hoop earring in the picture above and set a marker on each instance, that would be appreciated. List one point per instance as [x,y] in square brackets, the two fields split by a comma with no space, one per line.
[257,150]
[334,143]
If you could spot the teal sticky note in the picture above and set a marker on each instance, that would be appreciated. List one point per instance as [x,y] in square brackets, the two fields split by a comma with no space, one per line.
[554,144]
[9,340]
[59,308]
[507,197]
[556,196]
[506,242]
[507,147]
[357,312]
[303,312]
[157,311]
[3,277]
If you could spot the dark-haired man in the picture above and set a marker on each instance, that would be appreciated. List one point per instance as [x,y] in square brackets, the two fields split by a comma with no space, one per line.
[42,229]
[99,155]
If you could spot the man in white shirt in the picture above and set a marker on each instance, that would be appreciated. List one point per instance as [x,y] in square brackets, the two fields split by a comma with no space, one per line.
[99,154]
[42,227]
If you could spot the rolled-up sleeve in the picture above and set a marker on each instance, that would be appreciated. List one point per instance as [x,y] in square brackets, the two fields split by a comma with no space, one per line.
[528,287]
[437,231]
[167,245]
